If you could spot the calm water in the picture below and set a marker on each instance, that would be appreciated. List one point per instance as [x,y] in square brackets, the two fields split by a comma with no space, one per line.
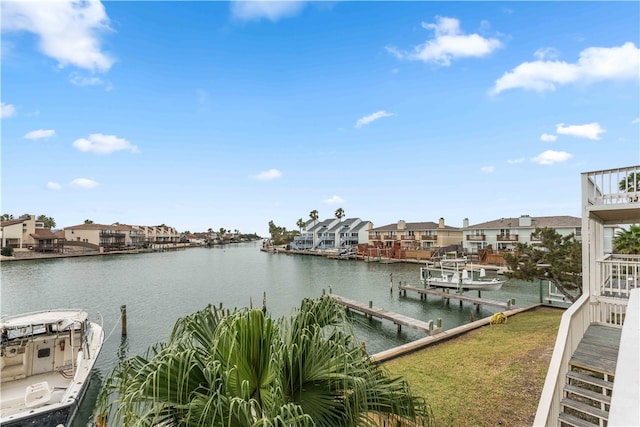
[157,288]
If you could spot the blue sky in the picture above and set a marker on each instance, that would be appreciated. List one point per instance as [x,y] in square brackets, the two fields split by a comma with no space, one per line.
[215,114]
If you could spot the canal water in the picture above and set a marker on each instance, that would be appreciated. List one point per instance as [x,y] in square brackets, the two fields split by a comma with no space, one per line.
[157,288]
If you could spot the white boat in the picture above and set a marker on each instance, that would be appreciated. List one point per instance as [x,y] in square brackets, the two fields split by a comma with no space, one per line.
[453,274]
[46,362]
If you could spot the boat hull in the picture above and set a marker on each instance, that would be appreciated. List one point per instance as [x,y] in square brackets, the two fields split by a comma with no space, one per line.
[60,416]
[489,285]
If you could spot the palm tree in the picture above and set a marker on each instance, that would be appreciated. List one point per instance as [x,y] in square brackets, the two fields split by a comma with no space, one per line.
[631,183]
[339,214]
[314,216]
[247,369]
[300,224]
[628,241]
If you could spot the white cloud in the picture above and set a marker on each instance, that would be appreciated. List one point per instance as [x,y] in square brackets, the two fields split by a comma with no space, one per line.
[80,80]
[546,53]
[6,110]
[103,144]
[271,10]
[488,169]
[449,43]
[594,64]
[54,186]
[40,134]
[334,200]
[548,137]
[68,30]
[269,175]
[636,121]
[550,157]
[589,131]
[85,183]
[372,118]
[515,161]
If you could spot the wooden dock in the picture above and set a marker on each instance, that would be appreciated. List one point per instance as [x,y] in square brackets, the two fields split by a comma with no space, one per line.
[423,292]
[399,319]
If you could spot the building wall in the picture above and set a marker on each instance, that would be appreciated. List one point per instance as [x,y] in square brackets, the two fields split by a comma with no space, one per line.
[83,235]
[19,232]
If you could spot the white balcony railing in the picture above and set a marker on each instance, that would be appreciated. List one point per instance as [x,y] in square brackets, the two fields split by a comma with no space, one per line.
[619,274]
[614,186]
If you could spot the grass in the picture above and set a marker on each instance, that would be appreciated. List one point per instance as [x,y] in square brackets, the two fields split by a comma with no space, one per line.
[491,376]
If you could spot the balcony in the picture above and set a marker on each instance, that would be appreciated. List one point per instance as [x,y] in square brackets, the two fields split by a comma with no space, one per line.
[614,186]
[476,238]
[507,238]
[389,237]
[428,237]
[375,237]
[618,275]
[408,238]
[108,235]
[613,195]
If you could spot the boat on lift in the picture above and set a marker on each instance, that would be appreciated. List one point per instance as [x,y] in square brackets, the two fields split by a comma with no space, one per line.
[452,273]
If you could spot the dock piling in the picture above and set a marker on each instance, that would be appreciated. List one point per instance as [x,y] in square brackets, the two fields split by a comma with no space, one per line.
[123,319]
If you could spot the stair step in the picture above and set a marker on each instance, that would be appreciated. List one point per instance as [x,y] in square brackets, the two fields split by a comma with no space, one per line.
[574,421]
[584,408]
[589,394]
[590,380]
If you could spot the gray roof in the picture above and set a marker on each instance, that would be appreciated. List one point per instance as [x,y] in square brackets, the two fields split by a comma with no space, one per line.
[536,221]
[414,226]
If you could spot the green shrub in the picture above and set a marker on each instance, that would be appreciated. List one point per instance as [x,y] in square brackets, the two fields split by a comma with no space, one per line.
[7,251]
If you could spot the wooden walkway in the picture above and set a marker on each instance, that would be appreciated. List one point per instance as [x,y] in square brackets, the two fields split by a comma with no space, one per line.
[399,319]
[598,349]
[460,297]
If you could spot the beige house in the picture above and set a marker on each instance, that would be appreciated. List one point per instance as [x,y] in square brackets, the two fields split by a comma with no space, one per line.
[502,234]
[415,235]
[46,240]
[158,233]
[105,236]
[17,233]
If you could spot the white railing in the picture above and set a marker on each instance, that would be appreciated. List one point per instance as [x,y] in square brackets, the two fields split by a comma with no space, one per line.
[625,400]
[610,311]
[613,186]
[574,323]
[619,274]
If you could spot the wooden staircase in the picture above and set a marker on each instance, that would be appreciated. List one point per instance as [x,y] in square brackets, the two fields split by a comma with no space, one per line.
[589,383]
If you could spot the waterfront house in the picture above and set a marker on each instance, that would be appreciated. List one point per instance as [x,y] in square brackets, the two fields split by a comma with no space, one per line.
[17,233]
[332,234]
[120,236]
[594,372]
[96,236]
[46,240]
[503,233]
[158,234]
[415,235]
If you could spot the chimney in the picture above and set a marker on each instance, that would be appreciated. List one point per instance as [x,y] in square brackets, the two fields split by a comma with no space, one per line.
[465,223]
[524,221]
[402,225]
[441,223]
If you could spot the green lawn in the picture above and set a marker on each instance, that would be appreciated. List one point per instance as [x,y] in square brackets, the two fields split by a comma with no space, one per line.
[490,376]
